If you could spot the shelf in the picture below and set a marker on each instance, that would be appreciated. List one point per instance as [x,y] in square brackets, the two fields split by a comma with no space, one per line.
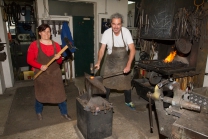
[26,22]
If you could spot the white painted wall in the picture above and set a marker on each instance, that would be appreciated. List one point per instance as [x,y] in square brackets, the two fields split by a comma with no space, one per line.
[6,70]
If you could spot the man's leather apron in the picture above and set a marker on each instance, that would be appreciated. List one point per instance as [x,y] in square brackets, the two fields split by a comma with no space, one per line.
[49,86]
[114,63]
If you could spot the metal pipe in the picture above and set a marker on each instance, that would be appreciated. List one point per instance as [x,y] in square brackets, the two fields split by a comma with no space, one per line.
[167,100]
[184,104]
[150,112]
[190,106]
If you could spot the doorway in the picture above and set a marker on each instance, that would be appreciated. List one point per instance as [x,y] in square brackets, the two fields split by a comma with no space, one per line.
[83,34]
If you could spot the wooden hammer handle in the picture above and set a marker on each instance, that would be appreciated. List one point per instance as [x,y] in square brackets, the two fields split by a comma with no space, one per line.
[51,61]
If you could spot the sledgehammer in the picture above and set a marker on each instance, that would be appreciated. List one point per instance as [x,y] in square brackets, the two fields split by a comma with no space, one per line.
[53,59]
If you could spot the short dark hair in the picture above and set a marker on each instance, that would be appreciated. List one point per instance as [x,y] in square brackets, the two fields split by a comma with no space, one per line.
[43,27]
[116,15]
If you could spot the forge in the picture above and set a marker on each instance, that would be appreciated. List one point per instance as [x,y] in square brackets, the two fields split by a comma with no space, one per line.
[164,68]
[174,88]
[170,85]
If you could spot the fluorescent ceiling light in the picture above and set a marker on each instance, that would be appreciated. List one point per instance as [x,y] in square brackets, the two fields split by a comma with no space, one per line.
[130,2]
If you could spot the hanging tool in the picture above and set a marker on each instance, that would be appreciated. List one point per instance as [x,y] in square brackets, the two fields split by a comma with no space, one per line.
[142,17]
[148,25]
[59,28]
[54,28]
[198,5]
[138,15]
[129,19]
[150,112]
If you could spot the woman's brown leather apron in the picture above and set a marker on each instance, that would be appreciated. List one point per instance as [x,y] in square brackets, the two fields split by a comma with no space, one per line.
[114,63]
[49,86]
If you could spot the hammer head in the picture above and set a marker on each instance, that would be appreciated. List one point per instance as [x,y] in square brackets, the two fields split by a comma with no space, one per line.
[69,44]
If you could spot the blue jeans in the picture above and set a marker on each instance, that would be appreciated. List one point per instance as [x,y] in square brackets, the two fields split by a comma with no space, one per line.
[62,107]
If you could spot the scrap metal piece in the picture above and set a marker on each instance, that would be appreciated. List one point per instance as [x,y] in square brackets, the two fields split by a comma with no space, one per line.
[183,45]
[183,104]
[154,78]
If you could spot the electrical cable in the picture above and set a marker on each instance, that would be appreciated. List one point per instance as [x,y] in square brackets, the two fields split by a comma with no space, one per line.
[4,12]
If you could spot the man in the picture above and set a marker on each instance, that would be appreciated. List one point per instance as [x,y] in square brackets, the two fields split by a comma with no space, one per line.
[119,41]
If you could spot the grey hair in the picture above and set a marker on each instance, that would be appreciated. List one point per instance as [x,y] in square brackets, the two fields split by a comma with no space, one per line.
[116,15]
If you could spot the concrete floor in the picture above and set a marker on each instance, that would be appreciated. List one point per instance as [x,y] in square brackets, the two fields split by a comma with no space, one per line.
[127,124]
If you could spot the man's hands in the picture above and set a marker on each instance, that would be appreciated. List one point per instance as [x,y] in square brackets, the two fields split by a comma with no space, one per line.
[126,69]
[97,66]
[100,56]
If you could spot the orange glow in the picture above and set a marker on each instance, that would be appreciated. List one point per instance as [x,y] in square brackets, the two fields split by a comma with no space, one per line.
[170,57]
[91,77]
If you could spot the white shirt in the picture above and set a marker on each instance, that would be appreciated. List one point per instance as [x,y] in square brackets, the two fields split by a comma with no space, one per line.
[118,42]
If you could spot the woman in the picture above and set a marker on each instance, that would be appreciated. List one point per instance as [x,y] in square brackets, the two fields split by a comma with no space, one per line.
[49,86]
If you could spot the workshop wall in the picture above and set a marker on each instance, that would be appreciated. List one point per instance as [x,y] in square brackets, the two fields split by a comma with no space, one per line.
[101,9]
[6,72]
[71,8]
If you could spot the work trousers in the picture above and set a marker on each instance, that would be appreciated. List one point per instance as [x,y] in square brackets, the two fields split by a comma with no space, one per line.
[62,107]
[127,95]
